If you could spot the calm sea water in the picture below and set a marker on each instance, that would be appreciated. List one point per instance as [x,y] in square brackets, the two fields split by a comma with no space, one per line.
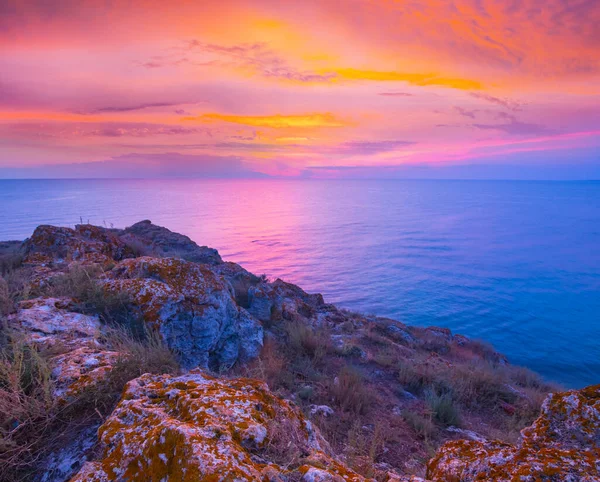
[514,263]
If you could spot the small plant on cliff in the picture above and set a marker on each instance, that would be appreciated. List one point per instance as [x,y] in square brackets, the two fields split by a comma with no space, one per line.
[136,357]
[14,287]
[443,408]
[6,303]
[350,393]
[10,262]
[420,423]
[306,341]
[83,284]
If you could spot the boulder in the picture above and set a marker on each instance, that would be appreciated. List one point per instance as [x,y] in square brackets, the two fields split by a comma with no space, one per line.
[562,445]
[196,427]
[241,280]
[169,244]
[80,360]
[192,308]
[281,300]
[85,244]
[49,320]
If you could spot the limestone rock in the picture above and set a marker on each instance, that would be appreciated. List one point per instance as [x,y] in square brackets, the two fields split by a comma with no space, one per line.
[84,244]
[192,308]
[563,444]
[271,301]
[170,244]
[81,360]
[49,320]
[241,280]
[195,427]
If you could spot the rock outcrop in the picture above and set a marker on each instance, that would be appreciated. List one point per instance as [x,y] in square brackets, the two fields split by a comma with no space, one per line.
[281,300]
[80,360]
[189,298]
[195,427]
[563,445]
[212,314]
[166,243]
[85,244]
[192,308]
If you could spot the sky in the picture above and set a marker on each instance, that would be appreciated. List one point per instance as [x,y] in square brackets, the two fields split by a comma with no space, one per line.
[302,89]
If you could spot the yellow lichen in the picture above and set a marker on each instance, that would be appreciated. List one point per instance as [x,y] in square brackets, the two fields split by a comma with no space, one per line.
[196,427]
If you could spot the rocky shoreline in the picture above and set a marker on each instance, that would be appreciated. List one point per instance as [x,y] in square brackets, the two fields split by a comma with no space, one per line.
[215,373]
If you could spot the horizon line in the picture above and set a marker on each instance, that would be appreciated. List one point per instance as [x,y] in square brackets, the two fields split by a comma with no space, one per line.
[287,178]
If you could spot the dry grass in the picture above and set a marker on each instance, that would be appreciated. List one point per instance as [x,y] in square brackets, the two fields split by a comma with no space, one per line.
[25,406]
[136,357]
[34,424]
[365,445]
[139,248]
[350,393]
[270,367]
[14,287]
[414,375]
[82,283]
[286,445]
[305,341]
[6,302]
[422,424]
[10,262]
[461,383]
[443,408]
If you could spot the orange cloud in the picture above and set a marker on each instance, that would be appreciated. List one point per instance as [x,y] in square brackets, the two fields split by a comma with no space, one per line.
[276,121]
[415,79]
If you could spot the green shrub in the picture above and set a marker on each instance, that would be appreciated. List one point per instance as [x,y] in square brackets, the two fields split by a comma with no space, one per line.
[414,377]
[421,424]
[443,408]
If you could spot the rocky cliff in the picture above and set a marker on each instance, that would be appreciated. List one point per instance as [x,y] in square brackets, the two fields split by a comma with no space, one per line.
[228,376]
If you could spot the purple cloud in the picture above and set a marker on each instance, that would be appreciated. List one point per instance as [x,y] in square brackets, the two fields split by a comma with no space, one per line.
[395,94]
[135,165]
[465,112]
[146,131]
[504,102]
[515,127]
[370,147]
[128,108]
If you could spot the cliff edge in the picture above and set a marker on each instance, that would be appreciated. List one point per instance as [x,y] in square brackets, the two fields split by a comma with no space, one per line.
[138,355]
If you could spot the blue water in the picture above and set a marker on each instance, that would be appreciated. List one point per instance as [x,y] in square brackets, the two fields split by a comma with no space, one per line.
[514,263]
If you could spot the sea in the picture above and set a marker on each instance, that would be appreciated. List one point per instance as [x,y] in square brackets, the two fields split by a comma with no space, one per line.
[514,263]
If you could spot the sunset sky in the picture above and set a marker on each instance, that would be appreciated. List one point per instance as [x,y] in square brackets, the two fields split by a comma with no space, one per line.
[311,88]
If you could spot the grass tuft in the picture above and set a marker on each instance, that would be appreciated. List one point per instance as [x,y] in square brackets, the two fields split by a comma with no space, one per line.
[350,392]
[443,408]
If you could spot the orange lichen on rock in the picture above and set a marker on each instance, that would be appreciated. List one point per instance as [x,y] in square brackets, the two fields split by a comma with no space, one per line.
[195,427]
[79,369]
[563,444]
[82,360]
[85,244]
[47,320]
